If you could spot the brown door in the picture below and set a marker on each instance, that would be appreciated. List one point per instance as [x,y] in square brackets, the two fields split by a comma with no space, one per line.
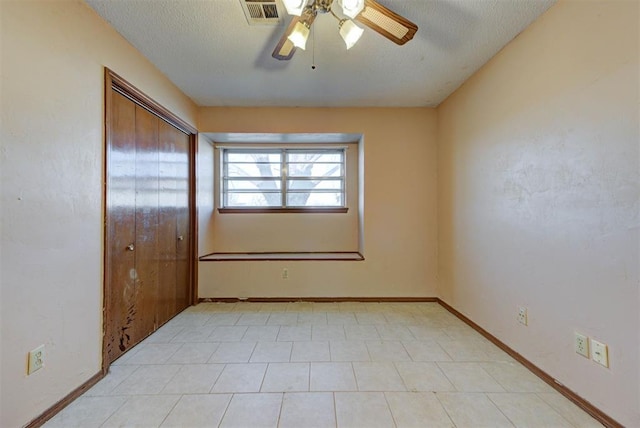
[148,266]
[146,246]
[168,233]
[182,223]
[174,221]
[120,292]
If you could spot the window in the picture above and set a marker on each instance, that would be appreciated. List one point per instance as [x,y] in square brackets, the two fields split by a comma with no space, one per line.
[283,178]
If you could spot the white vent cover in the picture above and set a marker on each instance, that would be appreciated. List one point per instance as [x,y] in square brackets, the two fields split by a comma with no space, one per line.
[263,12]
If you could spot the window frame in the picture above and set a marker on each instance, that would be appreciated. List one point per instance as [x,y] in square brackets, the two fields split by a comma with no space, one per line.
[283,178]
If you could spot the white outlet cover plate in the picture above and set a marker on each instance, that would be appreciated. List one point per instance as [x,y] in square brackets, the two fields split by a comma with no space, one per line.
[522,315]
[36,359]
[582,345]
[599,353]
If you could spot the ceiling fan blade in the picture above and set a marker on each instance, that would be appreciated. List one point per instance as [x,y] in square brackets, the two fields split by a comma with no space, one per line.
[285,49]
[386,22]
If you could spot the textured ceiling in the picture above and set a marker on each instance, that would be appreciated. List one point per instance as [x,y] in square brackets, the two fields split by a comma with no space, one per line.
[208,50]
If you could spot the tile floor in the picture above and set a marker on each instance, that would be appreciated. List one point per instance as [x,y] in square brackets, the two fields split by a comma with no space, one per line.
[319,365]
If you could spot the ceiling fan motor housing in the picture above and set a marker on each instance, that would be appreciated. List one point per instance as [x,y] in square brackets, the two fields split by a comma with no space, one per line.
[322,6]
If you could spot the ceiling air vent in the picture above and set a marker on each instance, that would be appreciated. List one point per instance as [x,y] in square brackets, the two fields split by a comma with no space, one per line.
[263,12]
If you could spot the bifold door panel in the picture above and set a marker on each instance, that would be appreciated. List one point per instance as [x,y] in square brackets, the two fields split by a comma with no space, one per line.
[148,231]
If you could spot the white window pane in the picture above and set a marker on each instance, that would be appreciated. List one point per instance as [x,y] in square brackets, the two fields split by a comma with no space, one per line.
[254,178]
[255,185]
[314,184]
[311,199]
[244,157]
[247,199]
[309,157]
[253,170]
[315,169]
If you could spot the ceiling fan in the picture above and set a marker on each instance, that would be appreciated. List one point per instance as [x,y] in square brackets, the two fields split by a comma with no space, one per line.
[368,12]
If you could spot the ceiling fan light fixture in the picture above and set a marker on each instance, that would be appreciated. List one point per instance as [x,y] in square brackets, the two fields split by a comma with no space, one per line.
[352,8]
[369,13]
[350,32]
[295,7]
[299,35]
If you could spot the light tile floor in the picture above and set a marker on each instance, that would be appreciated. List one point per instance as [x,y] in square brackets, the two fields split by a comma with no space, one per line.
[306,364]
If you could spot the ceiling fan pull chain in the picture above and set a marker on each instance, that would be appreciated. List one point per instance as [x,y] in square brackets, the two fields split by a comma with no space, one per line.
[313,49]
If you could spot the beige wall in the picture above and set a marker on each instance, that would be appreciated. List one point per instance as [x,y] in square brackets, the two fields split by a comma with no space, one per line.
[399,233]
[53,53]
[205,187]
[538,197]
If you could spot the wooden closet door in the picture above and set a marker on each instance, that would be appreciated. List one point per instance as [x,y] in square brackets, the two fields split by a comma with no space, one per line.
[147,214]
[173,290]
[183,297]
[132,205]
[120,291]
[148,254]
[168,232]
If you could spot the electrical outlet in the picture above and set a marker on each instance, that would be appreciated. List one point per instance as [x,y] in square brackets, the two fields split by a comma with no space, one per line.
[582,344]
[522,315]
[36,359]
[285,273]
[599,353]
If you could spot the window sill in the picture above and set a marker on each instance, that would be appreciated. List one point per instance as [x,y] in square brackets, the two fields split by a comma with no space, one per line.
[283,210]
[288,256]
